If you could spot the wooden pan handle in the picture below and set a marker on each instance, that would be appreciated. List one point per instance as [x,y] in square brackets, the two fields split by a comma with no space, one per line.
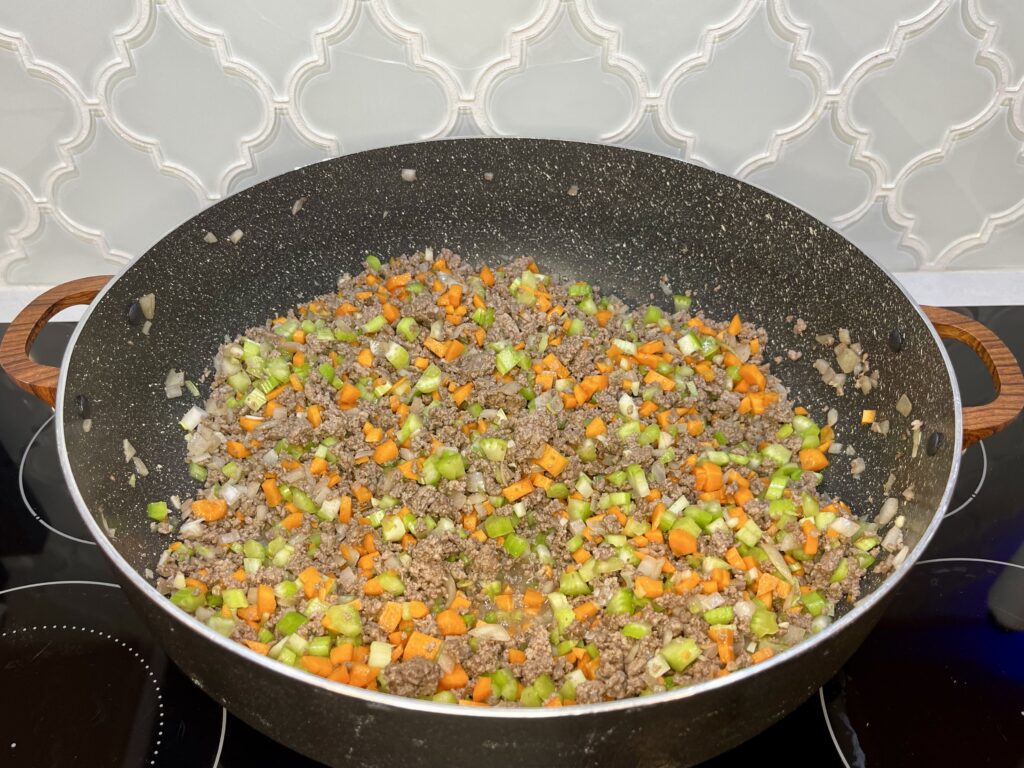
[983,420]
[41,380]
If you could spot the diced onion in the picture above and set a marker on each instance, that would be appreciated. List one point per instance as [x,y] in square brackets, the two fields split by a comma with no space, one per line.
[192,418]
[904,406]
[140,467]
[147,304]
[409,174]
[651,567]
[230,493]
[888,511]
[844,526]
[490,632]
[192,529]
[129,450]
[235,236]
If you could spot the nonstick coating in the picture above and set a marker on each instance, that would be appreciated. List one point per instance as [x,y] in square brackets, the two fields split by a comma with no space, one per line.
[617,218]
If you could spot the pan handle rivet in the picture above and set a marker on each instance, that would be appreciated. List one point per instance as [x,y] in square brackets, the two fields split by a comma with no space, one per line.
[896,340]
[935,442]
[135,315]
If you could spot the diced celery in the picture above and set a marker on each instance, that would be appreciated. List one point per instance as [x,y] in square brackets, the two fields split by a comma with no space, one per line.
[374,324]
[492,448]
[429,381]
[620,603]
[515,546]
[681,653]
[223,625]
[483,316]
[290,622]
[188,599]
[391,583]
[197,472]
[157,510]
[407,329]
[723,614]
[578,509]
[763,623]
[749,533]
[636,630]
[841,571]
[573,585]
[380,654]
[497,525]
[397,355]
[319,646]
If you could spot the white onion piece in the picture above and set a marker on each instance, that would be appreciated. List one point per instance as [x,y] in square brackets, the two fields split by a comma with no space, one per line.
[904,406]
[147,304]
[893,539]
[777,560]
[657,666]
[888,511]
[347,578]
[235,236]
[819,623]
[857,466]
[475,483]
[297,205]
[712,601]
[270,458]
[490,632]
[577,526]
[844,526]
[833,417]
[191,419]
[192,529]
[129,450]
[789,541]
[744,609]
[651,567]
[409,174]
[141,468]
[173,392]
[174,378]
[86,425]
[230,493]
[900,556]
[210,237]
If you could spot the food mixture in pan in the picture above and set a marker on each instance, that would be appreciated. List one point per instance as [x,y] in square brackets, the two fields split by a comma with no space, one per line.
[493,487]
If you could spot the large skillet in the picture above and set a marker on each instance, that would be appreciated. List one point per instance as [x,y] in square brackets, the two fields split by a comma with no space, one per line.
[614,217]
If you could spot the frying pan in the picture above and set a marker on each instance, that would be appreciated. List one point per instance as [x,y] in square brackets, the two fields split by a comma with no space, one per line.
[616,218]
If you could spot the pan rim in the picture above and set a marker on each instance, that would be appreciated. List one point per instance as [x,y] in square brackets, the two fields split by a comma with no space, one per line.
[377,698]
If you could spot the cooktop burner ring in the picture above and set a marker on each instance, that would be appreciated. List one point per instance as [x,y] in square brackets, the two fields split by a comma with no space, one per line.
[24,495]
[981,482]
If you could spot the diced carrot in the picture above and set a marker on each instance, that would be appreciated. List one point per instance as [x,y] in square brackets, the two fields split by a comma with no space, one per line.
[340,654]
[385,452]
[708,476]
[417,609]
[249,423]
[584,611]
[694,427]
[648,587]
[313,415]
[518,489]
[365,358]
[533,599]
[596,427]
[390,616]
[603,317]
[361,675]
[391,313]
[504,601]
[422,645]
[261,648]
[456,678]
[482,689]
[581,556]
[735,325]
[763,655]
[292,521]
[812,459]
[271,492]
[360,653]
[732,556]
[210,509]
[552,461]
[345,513]
[265,600]
[318,665]
[743,496]
[486,276]
[682,542]
[318,466]
[363,495]
[455,348]
[516,656]
[237,450]
[449,622]
[459,395]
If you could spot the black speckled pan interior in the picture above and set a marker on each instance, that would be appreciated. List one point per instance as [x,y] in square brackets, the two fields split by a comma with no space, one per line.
[617,218]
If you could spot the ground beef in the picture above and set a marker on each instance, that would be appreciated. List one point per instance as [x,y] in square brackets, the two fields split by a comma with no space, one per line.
[327,507]
[416,677]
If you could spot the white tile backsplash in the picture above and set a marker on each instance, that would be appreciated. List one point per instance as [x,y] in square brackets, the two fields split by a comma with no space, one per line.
[899,122]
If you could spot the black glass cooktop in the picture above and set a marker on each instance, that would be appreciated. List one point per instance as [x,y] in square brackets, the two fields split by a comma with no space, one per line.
[939,682]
